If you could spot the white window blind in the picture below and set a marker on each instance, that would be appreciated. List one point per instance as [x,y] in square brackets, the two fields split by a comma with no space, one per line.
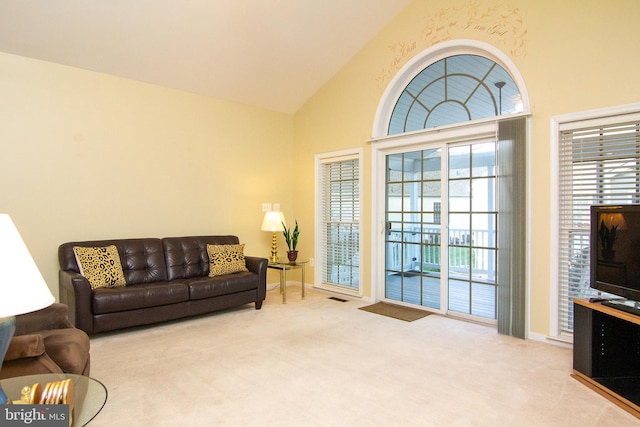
[599,164]
[340,222]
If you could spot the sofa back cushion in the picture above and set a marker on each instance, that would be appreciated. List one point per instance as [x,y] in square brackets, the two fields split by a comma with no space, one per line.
[187,257]
[142,260]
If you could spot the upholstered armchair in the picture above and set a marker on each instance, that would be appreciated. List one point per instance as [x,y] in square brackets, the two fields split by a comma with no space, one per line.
[46,342]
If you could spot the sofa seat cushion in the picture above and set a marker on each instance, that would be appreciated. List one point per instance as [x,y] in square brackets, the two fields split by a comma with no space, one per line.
[133,297]
[207,287]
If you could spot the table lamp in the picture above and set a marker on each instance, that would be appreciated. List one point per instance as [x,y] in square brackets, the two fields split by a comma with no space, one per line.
[22,287]
[273,221]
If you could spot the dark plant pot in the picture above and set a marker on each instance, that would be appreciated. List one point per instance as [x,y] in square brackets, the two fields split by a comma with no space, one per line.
[292,255]
[608,253]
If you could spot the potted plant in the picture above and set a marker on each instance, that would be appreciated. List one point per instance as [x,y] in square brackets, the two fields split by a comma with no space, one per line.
[608,238]
[291,238]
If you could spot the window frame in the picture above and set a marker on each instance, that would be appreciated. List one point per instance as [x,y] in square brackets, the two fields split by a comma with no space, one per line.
[560,123]
[514,316]
[431,55]
[320,250]
[456,86]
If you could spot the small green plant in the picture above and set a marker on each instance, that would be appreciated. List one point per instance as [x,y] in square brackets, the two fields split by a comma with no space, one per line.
[291,237]
[608,235]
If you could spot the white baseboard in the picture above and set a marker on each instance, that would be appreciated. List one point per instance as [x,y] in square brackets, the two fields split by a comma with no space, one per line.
[534,336]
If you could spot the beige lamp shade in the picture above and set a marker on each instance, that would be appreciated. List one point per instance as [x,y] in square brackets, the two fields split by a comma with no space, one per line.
[613,219]
[273,221]
[22,287]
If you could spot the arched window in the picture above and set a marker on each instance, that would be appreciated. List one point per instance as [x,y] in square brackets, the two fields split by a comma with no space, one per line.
[452,90]
[449,161]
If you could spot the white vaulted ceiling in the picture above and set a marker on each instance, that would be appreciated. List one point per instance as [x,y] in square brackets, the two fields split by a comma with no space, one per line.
[273,54]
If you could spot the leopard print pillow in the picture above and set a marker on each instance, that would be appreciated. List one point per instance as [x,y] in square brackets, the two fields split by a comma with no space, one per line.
[101,266]
[226,259]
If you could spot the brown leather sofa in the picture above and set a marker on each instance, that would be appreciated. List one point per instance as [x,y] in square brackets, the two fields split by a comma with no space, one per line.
[165,279]
[46,342]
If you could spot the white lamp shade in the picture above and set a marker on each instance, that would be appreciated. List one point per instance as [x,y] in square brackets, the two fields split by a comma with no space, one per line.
[22,287]
[273,221]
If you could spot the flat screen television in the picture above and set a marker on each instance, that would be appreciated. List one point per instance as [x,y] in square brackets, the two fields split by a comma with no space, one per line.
[615,250]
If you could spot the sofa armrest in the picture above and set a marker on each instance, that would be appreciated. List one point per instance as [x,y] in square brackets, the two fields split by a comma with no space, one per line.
[258,266]
[22,346]
[75,291]
[52,317]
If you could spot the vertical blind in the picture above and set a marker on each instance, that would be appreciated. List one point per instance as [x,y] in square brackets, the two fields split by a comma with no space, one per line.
[512,226]
[341,222]
[599,164]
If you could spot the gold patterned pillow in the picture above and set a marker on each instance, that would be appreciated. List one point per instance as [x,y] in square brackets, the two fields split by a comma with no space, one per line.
[101,266]
[226,259]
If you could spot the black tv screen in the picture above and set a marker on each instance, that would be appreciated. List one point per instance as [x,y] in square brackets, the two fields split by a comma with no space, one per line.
[615,250]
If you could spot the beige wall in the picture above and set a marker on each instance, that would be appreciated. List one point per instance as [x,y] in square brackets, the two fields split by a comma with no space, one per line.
[89,156]
[573,55]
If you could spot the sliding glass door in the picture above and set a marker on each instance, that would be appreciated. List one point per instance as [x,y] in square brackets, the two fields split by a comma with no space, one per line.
[413,234]
[472,233]
[441,220]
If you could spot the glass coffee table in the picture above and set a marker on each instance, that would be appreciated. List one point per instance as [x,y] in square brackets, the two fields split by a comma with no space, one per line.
[284,266]
[90,395]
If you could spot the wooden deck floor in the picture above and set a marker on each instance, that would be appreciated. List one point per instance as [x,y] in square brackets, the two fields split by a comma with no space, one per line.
[424,290]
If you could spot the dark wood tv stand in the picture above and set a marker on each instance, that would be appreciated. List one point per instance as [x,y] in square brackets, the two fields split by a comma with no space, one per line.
[606,353]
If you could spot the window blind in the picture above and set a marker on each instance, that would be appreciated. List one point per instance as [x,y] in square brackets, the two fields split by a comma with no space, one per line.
[340,235]
[598,164]
[512,226]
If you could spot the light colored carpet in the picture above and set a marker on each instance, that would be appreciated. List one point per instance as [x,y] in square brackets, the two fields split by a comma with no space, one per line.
[320,362]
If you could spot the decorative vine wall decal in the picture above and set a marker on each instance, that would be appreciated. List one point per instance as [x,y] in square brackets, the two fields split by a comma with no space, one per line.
[502,23]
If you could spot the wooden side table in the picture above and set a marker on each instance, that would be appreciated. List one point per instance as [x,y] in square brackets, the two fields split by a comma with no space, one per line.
[283,266]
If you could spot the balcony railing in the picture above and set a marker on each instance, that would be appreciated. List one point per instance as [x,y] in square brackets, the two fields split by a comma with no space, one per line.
[421,251]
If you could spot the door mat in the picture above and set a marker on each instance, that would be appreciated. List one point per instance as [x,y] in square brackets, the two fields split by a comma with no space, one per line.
[407,314]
